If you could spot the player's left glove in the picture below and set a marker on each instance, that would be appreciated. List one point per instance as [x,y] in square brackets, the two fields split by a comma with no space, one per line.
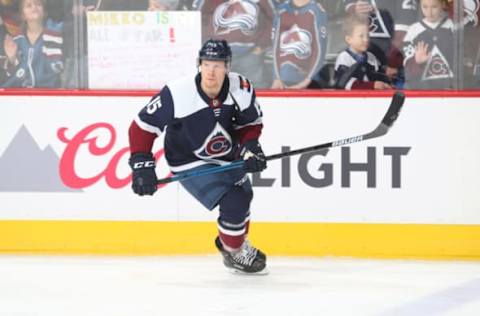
[254,157]
[144,178]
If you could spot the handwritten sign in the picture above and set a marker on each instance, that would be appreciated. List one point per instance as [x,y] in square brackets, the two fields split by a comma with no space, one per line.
[141,50]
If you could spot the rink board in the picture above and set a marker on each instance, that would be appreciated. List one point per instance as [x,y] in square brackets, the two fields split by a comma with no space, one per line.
[411,193]
[412,241]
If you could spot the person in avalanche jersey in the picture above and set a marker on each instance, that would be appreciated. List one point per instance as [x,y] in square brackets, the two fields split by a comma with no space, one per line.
[247,26]
[35,56]
[428,49]
[389,21]
[209,119]
[299,43]
[355,67]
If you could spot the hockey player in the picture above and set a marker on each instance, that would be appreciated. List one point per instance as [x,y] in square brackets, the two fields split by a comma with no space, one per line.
[208,119]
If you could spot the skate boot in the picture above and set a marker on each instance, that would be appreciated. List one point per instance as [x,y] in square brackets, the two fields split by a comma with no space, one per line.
[248,260]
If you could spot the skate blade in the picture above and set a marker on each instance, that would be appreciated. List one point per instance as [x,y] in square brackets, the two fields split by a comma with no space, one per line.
[240,272]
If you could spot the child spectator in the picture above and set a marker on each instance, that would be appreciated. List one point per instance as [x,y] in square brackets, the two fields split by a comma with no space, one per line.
[429,49]
[299,43]
[247,26]
[357,68]
[35,56]
[389,21]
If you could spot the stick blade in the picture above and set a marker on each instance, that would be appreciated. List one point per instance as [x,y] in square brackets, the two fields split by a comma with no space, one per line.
[394,110]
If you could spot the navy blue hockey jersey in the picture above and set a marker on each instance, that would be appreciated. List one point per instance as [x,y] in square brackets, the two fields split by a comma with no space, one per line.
[199,130]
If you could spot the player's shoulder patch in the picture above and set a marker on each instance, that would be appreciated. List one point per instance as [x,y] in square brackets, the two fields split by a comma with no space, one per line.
[239,82]
[241,89]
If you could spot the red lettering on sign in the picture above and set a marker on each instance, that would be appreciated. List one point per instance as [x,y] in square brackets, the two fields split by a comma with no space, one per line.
[68,170]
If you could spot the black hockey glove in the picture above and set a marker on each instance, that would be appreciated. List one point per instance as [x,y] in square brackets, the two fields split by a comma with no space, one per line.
[254,157]
[144,178]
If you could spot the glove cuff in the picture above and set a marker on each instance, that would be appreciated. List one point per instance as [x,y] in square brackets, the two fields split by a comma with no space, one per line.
[141,161]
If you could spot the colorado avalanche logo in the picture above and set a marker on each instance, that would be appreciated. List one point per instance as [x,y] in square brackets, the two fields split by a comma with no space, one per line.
[217,144]
[296,41]
[237,15]
[470,8]
[377,26]
[437,67]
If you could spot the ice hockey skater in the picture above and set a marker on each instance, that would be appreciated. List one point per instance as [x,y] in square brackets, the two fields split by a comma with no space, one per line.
[209,119]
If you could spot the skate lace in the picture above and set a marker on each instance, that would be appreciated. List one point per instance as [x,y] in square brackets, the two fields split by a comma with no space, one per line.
[246,255]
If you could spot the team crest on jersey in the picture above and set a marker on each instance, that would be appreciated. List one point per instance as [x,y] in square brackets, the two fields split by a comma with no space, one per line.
[437,66]
[377,24]
[296,41]
[238,15]
[217,144]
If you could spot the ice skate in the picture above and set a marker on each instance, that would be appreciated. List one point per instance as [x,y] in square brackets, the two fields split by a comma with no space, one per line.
[248,260]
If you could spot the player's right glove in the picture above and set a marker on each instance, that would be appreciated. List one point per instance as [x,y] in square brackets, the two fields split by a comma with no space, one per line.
[254,157]
[144,178]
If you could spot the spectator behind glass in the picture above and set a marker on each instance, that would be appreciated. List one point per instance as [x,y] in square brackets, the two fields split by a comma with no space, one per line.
[247,26]
[357,68]
[35,56]
[389,21]
[299,43]
[429,48]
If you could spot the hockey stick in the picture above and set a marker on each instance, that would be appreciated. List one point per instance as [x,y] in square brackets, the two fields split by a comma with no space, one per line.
[386,123]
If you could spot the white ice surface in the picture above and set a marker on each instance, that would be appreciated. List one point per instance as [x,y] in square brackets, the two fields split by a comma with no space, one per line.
[199,285]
